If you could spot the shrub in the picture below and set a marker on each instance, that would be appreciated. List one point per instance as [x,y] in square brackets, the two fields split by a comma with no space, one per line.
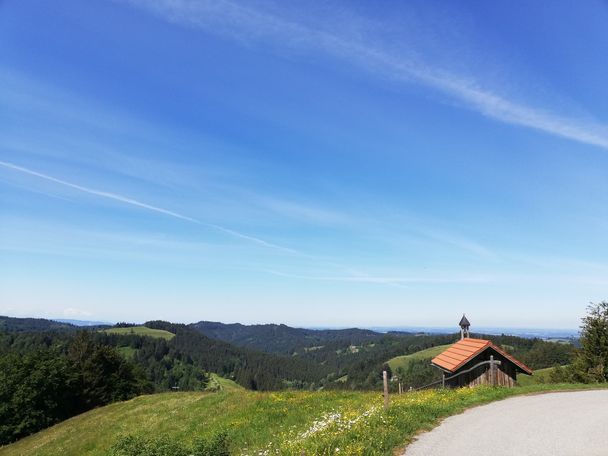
[142,446]
[131,445]
[218,445]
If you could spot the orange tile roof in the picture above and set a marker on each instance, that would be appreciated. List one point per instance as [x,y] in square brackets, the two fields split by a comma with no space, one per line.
[465,350]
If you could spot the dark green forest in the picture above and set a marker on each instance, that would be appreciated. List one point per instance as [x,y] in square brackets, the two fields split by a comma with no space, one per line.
[43,382]
[32,324]
[281,339]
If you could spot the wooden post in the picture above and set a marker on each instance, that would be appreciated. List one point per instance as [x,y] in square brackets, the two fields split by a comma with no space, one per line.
[443,379]
[400,390]
[492,371]
[385,381]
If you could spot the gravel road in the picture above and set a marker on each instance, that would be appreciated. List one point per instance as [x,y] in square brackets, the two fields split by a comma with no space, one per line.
[555,424]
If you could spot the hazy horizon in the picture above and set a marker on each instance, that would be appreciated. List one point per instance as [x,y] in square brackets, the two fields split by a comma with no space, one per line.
[320,326]
[325,164]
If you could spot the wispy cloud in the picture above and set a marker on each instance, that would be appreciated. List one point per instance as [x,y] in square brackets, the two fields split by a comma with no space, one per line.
[344,274]
[73,312]
[388,280]
[250,25]
[460,242]
[132,202]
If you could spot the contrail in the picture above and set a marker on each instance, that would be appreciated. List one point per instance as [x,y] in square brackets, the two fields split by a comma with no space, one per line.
[244,23]
[133,202]
[349,277]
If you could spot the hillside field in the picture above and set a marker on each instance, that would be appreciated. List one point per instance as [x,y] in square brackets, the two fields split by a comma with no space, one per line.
[265,423]
[429,353]
[217,383]
[141,331]
[540,376]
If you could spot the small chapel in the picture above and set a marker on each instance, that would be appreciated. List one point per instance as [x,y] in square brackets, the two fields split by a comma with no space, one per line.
[472,362]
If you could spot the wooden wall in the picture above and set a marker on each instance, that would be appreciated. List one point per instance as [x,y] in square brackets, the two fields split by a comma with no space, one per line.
[506,374]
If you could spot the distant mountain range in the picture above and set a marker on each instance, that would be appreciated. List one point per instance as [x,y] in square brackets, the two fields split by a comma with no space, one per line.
[541,333]
[82,322]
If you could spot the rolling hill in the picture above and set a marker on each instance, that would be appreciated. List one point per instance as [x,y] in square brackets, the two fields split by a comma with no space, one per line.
[33,325]
[271,356]
[170,353]
[282,339]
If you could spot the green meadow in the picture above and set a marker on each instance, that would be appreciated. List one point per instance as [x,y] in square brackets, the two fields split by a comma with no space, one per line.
[141,331]
[288,422]
[540,376]
[429,353]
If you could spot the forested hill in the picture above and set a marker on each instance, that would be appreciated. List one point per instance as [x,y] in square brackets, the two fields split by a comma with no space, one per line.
[282,339]
[250,368]
[175,362]
[355,358]
[60,371]
[32,324]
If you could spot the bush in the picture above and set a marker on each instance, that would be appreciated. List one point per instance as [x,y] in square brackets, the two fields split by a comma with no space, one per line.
[142,446]
[218,445]
[131,445]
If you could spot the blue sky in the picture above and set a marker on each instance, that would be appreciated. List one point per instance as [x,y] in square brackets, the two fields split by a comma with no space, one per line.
[328,164]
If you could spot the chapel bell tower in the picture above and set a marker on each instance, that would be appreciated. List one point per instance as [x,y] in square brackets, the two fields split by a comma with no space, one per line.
[464,327]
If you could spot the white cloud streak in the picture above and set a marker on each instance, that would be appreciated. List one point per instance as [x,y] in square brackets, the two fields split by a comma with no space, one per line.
[249,25]
[385,280]
[139,204]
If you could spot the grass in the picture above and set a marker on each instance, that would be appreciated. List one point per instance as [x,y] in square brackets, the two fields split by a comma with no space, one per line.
[285,422]
[127,352]
[402,361]
[540,376]
[142,331]
[217,383]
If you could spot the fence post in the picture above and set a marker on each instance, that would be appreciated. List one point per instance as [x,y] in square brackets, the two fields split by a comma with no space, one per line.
[492,371]
[385,381]
[443,379]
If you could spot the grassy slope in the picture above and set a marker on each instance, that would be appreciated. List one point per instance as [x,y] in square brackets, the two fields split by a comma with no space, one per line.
[142,331]
[402,361]
[318,422]
[217,383]
[540,376]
